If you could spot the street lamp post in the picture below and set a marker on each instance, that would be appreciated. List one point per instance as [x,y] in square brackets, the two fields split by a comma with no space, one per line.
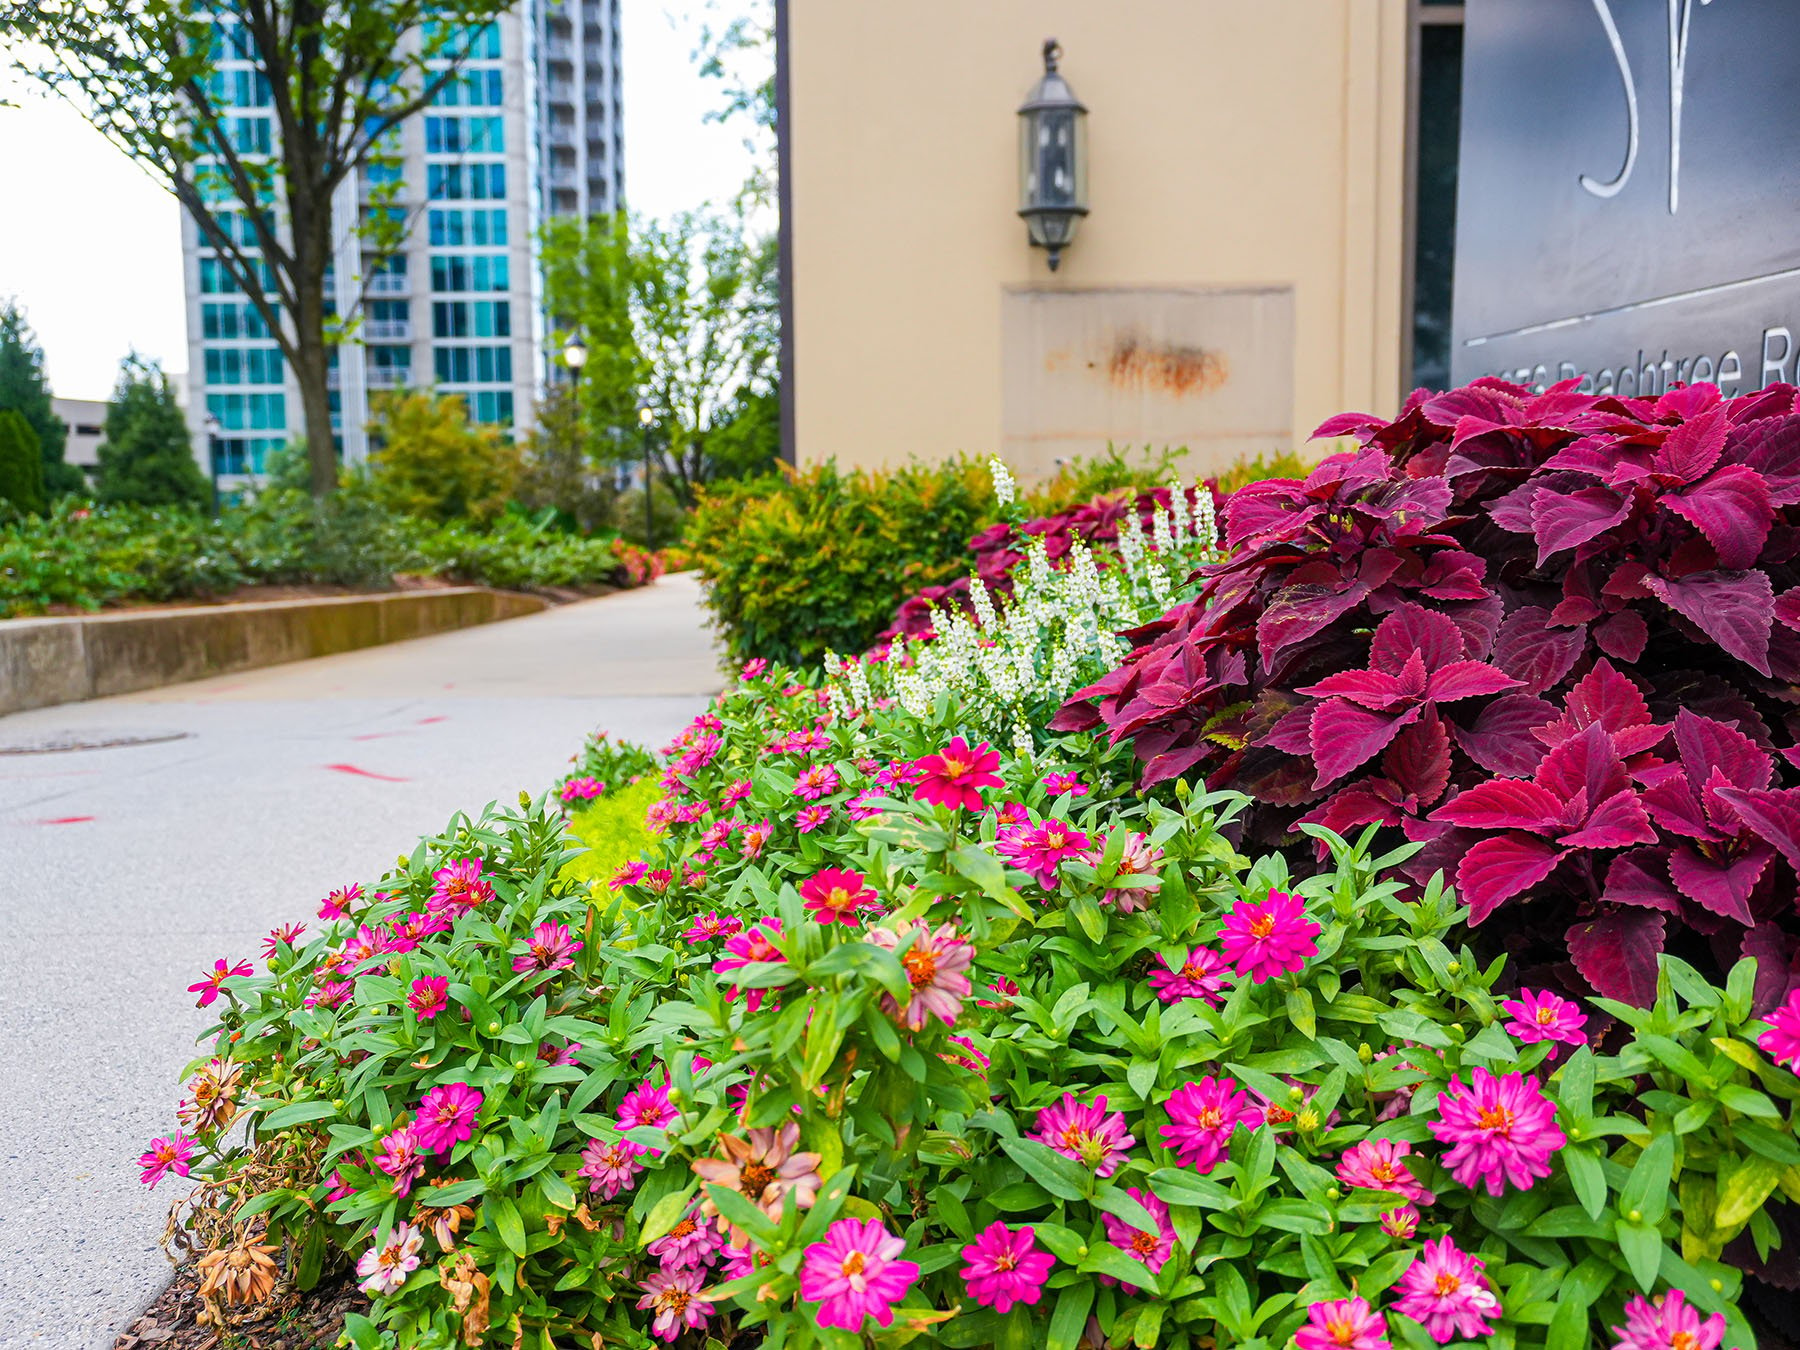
[212,458]
[645,419]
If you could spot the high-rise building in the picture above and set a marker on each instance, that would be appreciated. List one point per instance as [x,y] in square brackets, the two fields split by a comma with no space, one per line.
[529,127]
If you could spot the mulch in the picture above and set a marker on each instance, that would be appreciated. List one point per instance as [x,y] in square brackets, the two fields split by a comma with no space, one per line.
[309,1321]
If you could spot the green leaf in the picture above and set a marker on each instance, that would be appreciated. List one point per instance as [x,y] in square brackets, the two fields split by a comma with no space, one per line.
[664,1215]
[1575,1084]
[1088,915]
[1069,1319]
[1743,1190]
[1642,1248]
[297,1113]
[1588,1179]
[503,1217]
[1300,1013]
[1748,1102]
[1062,1177]
[1645,1195]
[1116,1202]
[1174,1186]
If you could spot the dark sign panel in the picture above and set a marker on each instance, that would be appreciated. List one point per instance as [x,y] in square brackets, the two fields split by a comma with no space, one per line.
[1628,208]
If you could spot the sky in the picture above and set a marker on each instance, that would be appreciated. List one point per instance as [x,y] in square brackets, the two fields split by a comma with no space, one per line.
[93,250]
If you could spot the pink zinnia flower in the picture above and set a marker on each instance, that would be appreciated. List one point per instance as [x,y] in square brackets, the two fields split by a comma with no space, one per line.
[1400,1223]
[1086,1133]
[734,794]
[337,904]
[860,807]
[716,834]
[460,889]
[1263,939]
[329,994]
[755,944]
[756,836]
[385,1266]
[284,936]
[956,775]
[447,1116]
[401,1157]
[753,669]
[1040,850]
[1380,1165]
[1003,991]
[209,986]
[339,1188]
[968,1057]
[173,1154]
[1153,1249]
[628,875]
[936,964]
[1202,1117]
[559,1059]
[1342,1324]
[1445,1292]
[1201,976]
[689,813]
[856,1273]
[711,925]
[1005,1267]
[659,881]
[689,1244]
[611,1167]
[1011,813]
[1140,858]
[1542,1016]
[415,927]
[581,790]
[809,818]
[674,1295]
[1781,1042]
[429,996]
[660,815]
[833,895]
[815,781]
[1058,783]
[551,947]
[899,773]
[648,1104]
[1668,1323]
[1501,1130]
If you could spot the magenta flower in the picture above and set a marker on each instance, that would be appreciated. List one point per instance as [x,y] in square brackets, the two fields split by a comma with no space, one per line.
[339,1189]
[401,1157]
[559,1059]
[628,875]
[1005,1267]
[753,669]
[734,794]
[1781,1042]
[1202,1117]
[1153,1249]
[1543,1016]
[1266,938]
[1342,1324]
[1201,976]
[956,775]
[1058,783]
[648,1104]
[713,925]
[754,945]
[1140,858]
[429,997]
[833,894]
[366,946]
[1401,1223]
[329,994]
[1445,1292]
[447,1116]
[816,781]
[658,882]
[611,1167]
[460,889]
[384,1267]
[1085,1132]
[1501,1130]
[1668,1323]
[173,1154]
[674,1295]
[967,1057]
[756,837]
[1003,991]
[689,1244]
[337,904]
[551,947]
[415,927]
[1041,849]
[209,986]
[809,818]
[856,1273]
[581,790]
[1380,1165]
[937,965]
[862,807]
[285,936]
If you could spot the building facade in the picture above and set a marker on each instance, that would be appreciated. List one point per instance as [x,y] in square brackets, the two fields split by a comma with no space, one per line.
[1251,262]
[529,127]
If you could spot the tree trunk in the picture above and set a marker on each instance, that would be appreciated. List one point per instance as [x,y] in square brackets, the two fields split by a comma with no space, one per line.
[311,222]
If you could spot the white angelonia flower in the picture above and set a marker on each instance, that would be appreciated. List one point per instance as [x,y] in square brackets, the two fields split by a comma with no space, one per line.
[1021,738]
[1005,489]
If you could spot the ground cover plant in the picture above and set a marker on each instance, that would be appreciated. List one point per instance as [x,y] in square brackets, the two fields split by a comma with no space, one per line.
[891,1035]
[1552,637]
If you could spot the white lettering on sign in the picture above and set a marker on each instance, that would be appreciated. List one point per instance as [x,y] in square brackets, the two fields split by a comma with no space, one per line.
[1681,13]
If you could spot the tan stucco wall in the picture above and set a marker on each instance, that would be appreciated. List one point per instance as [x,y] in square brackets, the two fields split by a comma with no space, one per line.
[1238,144]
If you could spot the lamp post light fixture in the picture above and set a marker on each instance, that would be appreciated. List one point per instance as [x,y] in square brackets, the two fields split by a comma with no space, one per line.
[1052,159]
[212,457]
[647,419]
[575,355]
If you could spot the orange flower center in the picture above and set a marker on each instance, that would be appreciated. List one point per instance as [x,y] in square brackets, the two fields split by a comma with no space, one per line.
[1446,1285]
[1545,1016]
[956,768]
[675,1300]
[1210,1118]
[1496,1118]
[1262,925]
[1684,1340]
[756,1178]
[1005,1262]
[1143,1244]
[1341,1330]
[1385,1172]
[1278,1115]
[1055,838]
[853,1264]
[839,898]
[921,967]
[1075,1138]
[683,1229]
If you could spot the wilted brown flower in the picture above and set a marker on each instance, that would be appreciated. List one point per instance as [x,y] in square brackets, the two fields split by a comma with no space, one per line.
[444,1221]
[212,1104]
[765,1169]
[468,1289]
[243,1272]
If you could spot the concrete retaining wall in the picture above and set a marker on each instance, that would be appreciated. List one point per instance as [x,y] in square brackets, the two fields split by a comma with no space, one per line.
[46,661]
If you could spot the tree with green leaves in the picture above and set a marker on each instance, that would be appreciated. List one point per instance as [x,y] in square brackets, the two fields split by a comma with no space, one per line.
[147,455]
[21,466]
[337,74]
[700,301]
[24,389]
[558,472]
[432,461]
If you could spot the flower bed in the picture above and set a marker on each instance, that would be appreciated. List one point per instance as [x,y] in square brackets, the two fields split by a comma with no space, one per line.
[898,1031]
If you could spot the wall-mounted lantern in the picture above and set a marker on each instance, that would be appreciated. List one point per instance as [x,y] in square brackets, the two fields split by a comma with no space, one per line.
[1052,159]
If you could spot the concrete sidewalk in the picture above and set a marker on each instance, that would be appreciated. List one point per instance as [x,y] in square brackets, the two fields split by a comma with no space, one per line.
[127,870]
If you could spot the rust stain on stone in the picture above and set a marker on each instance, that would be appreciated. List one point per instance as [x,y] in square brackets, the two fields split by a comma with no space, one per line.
[1172,369]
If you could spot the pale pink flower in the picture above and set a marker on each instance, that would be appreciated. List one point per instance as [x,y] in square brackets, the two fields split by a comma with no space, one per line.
[1140,858]
[385,1266]
[1400,1223]
[1668,1323]
[611,1167]
[937,963]
[756,837]
[1085,1132]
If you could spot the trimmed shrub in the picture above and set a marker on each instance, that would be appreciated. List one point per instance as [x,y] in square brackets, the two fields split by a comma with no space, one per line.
[21,466]
[432,462]
[1551,637]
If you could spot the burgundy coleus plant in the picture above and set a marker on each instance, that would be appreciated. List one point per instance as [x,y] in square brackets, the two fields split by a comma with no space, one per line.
[1502,584]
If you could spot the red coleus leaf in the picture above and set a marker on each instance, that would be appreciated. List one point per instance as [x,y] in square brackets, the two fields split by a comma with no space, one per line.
[1617,822]
[1563,520]
[1466,679]
[1586,763]
[1706,745]
[1500,738]
[1732,509]
[1366,688]
[1734,609]
[1345,737]
[1533,652]
[1497,869]
[1640,877]
[1623,636]
[1605,697]
[1721,885]
[1616,954]
[1691,449]
[1411,629]
[1503,804]
[1418,760]
[1771,814]
[1777,956]
[1772,448]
